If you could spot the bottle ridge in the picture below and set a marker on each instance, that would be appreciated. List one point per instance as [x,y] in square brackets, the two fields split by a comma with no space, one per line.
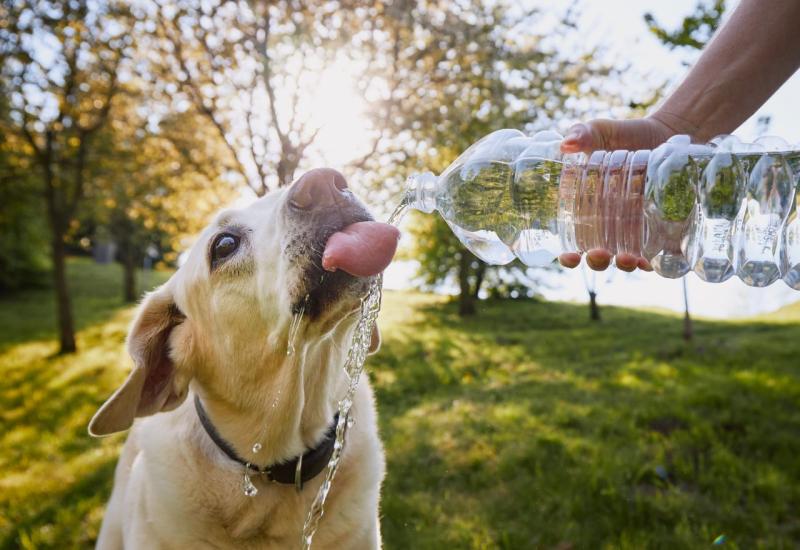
[719,209]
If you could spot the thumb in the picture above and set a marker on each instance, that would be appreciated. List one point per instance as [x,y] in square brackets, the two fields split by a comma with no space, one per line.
[579,138]
[613,134]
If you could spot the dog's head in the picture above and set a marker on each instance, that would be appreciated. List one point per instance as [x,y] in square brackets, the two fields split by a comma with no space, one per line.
[223,318]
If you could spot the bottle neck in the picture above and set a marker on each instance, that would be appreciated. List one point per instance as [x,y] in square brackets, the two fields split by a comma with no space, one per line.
[421,192]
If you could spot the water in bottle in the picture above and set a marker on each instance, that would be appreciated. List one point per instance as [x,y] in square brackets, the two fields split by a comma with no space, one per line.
[719,209]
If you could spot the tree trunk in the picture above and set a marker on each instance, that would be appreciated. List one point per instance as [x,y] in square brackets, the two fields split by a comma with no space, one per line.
[466,300]
[58,226]
[66,328]
[594,309]
[129,275]
[688,329]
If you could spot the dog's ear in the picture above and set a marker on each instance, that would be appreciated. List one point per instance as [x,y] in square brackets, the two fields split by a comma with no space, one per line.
[153,385]
[375,340]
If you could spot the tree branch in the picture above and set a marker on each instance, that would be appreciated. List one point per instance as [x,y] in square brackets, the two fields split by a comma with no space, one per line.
[209,112]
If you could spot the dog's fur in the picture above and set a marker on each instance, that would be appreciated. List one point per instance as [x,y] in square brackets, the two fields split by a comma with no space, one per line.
[221,332]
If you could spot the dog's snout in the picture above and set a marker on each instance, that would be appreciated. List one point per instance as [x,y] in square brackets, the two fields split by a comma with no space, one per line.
[317,188]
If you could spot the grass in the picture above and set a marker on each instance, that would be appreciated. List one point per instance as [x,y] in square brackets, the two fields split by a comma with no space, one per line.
[54,478]
[525,427]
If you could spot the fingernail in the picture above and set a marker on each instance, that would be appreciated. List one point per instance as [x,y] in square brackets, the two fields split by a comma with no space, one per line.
[574,135]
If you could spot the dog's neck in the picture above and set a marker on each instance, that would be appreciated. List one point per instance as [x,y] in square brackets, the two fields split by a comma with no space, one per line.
[287,410]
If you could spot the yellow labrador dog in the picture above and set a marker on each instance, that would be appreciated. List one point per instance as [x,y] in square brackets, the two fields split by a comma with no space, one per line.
[212,378]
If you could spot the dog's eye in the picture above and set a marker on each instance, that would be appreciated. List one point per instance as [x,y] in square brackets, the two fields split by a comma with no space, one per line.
[224,245]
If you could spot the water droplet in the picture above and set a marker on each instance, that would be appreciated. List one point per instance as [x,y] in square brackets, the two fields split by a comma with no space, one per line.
[294,328]
[256,447]
[248,488]
[350,421]
[720,540]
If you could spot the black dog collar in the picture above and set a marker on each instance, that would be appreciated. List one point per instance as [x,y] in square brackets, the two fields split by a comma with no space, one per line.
[311,463]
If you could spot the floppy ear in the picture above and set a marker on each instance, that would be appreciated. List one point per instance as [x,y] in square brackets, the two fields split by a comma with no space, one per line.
[153,385]
[375,340]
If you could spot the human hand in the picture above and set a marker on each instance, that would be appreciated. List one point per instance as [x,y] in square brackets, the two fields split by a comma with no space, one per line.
[603,134]
[641,133]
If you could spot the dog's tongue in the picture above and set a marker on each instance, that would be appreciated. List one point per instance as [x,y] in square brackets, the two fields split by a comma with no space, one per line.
[361,249]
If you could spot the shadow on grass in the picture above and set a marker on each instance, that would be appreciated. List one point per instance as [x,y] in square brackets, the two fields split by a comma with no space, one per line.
[96,292]
[65,517]
[54,478]
[529,426]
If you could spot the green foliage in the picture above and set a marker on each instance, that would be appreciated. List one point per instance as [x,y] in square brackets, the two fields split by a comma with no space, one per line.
[456,74]
[721,190]
[535,191]
[24,244]
[527,427]
[677,196]
[696,29]
[60,69]
[436,248]
[143,179]
[247,67]
[481,197]
[24,260]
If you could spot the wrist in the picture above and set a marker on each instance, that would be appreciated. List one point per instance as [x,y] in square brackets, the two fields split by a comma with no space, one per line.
[667,124]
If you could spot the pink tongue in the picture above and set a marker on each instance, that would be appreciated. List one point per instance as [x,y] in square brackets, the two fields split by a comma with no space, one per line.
[361,249]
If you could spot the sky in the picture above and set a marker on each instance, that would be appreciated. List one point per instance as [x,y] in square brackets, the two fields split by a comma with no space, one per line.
[619,27]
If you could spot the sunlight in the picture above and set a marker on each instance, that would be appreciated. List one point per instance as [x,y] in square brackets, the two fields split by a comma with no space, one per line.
[328,102]
[339,110]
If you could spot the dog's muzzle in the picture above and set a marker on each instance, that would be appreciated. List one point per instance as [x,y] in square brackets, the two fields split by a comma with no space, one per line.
[318,205]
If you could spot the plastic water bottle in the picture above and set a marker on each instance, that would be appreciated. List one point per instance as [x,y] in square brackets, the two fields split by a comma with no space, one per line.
[717,209]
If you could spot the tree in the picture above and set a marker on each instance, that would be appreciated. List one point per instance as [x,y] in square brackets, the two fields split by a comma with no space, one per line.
[591,289]
[696,29]
[62,62]
[23,258]
[146,176]
[449,75]
[248,68]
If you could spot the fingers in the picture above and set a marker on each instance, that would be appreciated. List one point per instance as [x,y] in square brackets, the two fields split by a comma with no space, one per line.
[599,260]
[597,134]
[570,259]
[578,139]
[626,262]
[644,265]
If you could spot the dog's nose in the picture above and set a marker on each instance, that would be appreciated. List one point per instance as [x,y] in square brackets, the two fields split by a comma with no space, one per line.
[317,188]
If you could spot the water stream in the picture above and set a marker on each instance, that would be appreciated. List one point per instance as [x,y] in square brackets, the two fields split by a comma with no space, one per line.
[353,367]
[294,328]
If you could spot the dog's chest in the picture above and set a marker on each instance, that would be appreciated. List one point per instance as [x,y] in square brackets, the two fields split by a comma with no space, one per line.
[192,499]
[274,517]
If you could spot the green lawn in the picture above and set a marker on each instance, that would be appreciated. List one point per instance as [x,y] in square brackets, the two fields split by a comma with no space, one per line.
[525,427]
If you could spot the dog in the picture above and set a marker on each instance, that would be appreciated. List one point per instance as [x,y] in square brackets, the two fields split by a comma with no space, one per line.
[217,385]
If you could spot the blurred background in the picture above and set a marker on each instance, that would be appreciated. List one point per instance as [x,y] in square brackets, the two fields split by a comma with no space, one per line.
[520,408]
